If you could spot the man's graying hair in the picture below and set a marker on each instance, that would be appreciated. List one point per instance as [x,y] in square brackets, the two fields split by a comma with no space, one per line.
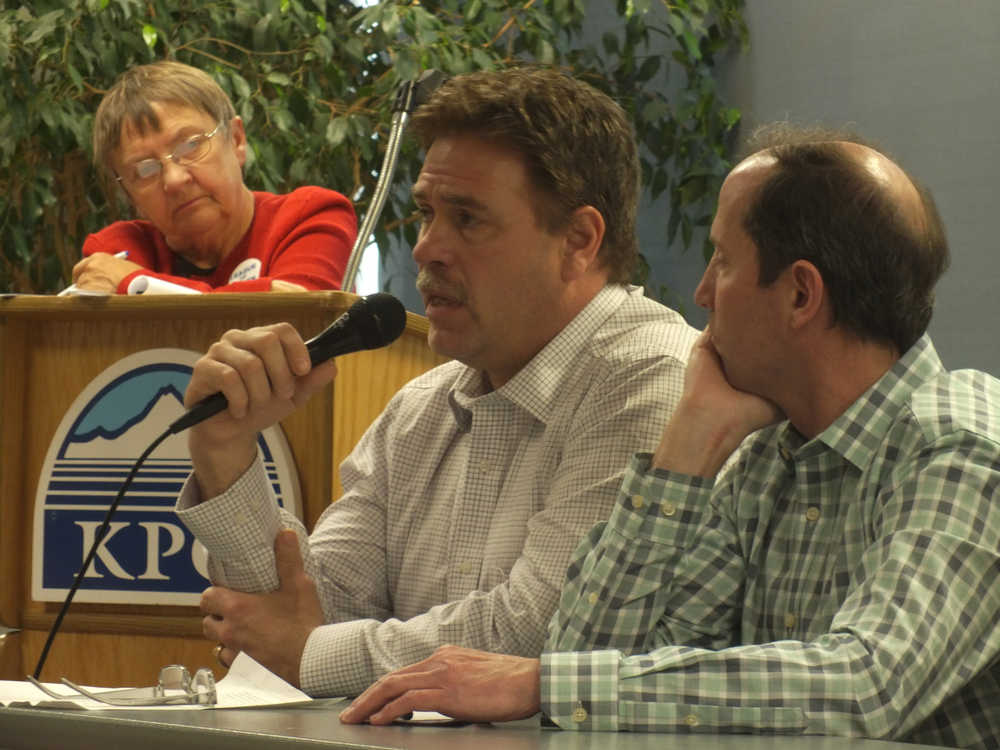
[578,146]
[879,263]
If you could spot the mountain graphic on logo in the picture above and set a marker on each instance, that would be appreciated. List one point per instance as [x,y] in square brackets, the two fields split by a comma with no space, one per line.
[105,430]
[103,433]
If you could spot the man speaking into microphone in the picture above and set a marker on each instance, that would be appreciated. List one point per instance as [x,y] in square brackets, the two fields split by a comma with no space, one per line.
[465,498]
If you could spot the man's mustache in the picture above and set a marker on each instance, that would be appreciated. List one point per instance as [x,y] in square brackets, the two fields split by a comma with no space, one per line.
[431,285]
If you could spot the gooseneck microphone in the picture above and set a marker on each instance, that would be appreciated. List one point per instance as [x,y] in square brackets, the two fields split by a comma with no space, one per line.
[370,323]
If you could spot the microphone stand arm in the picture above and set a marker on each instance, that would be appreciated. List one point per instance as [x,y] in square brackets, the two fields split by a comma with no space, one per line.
[410,95]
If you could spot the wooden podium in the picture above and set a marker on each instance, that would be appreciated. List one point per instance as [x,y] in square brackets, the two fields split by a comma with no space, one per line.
[50,349]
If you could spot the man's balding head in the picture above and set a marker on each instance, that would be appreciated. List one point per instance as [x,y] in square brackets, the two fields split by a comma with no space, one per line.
[870,229]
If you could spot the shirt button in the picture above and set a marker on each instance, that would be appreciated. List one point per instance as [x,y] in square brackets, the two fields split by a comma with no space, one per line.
[790,621]
[637,501]
[691,720]
[466,567]
[579,714]
[485,467]
[812,514]
[668,508]
[784,453]
[593,598]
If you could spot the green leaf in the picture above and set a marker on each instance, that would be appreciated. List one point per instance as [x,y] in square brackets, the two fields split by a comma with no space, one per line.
[406,68]
[260,31]
[650,67]
[323,47]
[150,35]
[692,45]
[610,42]
[44,27]
[655,110]
[659,183]
[481,60]
[240,85]
[472,10]
[299,171]
[672,224]
[336,131]
[390,22]
[5,37]
[678,23]
[545,53]
[355,49]
[75,76]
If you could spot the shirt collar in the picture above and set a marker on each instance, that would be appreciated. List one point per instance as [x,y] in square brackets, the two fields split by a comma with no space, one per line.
[535,387]
[861,429]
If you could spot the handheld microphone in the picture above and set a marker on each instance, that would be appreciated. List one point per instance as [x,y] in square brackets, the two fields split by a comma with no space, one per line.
[370,323]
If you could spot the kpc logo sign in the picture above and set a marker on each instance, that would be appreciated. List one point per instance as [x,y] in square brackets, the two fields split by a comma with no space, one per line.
[148,556]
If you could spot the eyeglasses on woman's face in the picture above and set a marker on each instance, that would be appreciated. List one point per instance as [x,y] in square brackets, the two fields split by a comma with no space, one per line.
[145,173]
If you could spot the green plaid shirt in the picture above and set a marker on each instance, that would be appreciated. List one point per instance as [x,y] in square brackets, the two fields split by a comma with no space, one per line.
[845,585]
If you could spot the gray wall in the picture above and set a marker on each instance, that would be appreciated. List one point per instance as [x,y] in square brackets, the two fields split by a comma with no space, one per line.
[921,78]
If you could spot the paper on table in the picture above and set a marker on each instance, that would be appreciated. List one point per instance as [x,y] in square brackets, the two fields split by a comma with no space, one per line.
[248,684]
[153,285]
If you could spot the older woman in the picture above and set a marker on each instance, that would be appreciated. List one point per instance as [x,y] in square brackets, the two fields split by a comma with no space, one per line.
[170,136]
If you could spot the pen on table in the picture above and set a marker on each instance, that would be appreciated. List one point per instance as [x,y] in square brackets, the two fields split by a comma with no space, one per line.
[72,287]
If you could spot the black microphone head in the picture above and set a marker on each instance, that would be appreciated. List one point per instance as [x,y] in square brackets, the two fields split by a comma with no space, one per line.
[372,322]
[381,319]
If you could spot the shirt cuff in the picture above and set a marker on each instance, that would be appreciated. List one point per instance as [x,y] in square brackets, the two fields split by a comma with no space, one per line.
[663,507]
[335,662]
[579,690]
[124,283]
[246,512]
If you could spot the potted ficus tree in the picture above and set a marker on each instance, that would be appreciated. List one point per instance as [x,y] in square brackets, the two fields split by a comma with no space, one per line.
[314,82]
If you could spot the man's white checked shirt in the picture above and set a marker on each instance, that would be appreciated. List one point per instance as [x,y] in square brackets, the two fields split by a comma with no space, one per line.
[462,507]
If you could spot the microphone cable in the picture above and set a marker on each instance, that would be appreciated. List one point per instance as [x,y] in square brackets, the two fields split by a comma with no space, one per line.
[98,538]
